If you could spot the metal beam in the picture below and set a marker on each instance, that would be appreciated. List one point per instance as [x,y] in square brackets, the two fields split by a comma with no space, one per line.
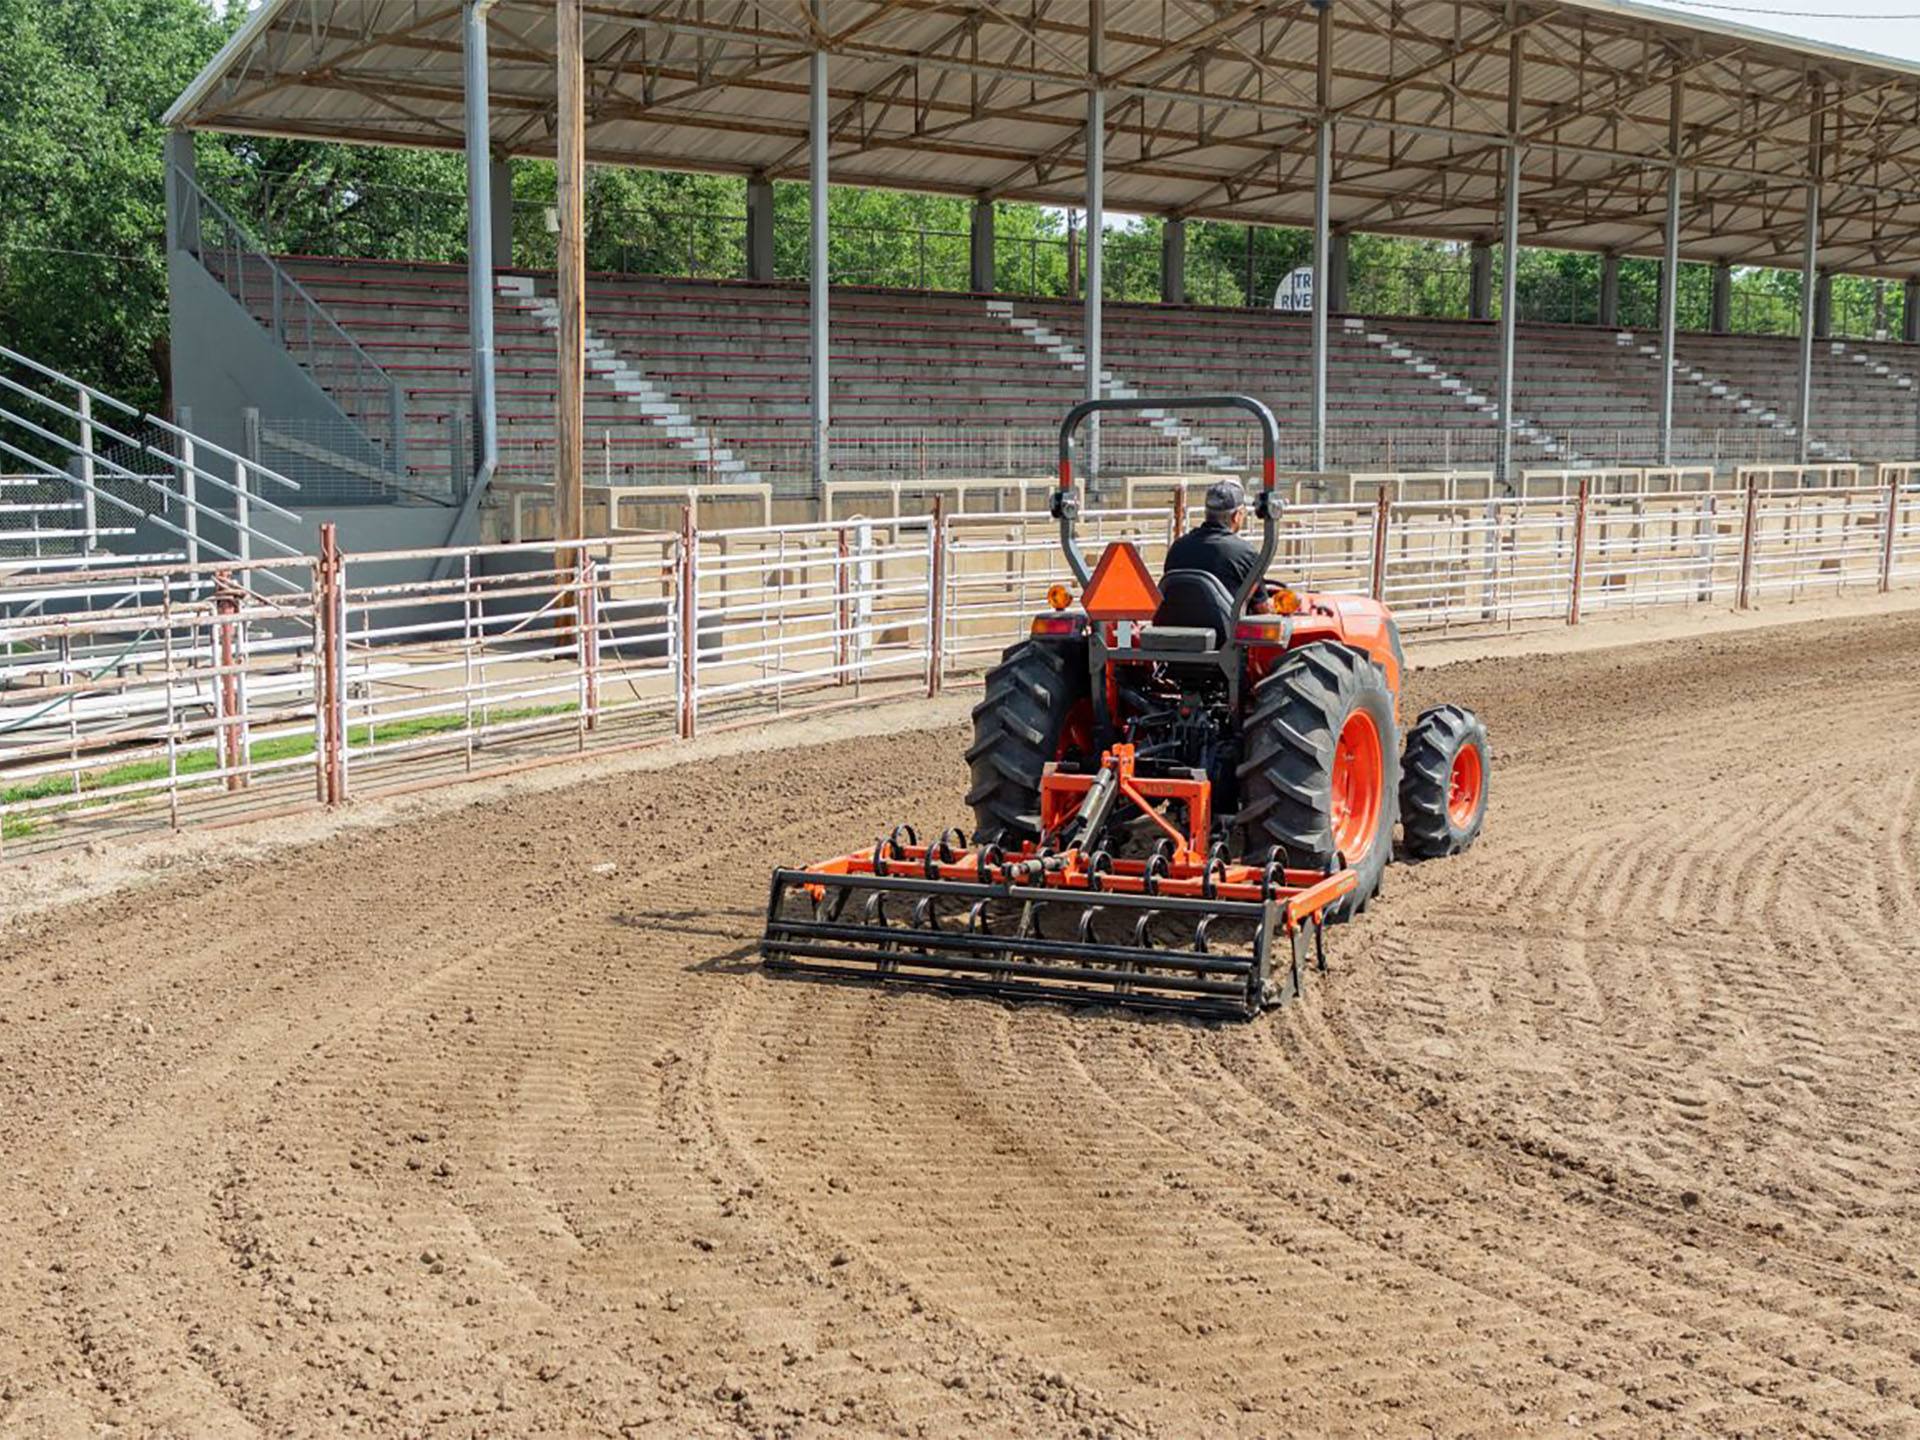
[480,234]
[817,271]
[1510,266]
[569,421]
[1322,219]
[1670,279]
[1096,225]
[1809,277]
[1173,264]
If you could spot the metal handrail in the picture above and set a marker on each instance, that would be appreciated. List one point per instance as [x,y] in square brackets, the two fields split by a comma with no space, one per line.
[240,241]
[200,442]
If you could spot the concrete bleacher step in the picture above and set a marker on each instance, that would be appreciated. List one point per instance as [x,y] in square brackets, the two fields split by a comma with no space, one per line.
[1421,364]
[653,402]
[1070,355]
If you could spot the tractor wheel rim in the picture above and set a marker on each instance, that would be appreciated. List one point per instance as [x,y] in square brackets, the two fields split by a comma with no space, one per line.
[1359,786]
[1464,784]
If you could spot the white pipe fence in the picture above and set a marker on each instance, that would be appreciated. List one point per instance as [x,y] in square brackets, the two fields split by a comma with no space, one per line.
[188,690]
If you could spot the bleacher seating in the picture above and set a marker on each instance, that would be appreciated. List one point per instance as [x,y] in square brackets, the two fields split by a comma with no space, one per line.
[912,373]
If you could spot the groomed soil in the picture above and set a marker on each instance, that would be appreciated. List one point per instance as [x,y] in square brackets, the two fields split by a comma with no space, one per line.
[490,1124]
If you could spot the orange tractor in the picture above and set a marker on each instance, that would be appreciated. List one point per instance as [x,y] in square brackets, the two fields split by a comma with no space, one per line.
[1175,790]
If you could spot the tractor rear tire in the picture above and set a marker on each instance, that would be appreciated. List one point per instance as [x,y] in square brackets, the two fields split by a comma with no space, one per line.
[1319,773]
[1443,782]
[1036,704]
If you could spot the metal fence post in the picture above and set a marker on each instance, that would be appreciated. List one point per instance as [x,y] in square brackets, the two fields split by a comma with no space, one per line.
[1749,528]
[843,610]
[1579,550]
[936,592]
[226,655]
[1886,540]
[1377,582]
[589,640]
[689,670]
[88,502]
[331,612]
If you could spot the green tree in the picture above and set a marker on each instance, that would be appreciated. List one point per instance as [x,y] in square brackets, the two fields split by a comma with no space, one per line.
[83,84]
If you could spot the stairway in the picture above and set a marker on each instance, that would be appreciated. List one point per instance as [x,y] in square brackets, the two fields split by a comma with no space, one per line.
[652,401]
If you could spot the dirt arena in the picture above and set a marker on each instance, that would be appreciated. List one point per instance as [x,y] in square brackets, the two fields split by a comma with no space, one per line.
[489,1124]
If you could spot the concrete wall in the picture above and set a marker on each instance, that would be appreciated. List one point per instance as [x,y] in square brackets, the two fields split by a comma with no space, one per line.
[225,363]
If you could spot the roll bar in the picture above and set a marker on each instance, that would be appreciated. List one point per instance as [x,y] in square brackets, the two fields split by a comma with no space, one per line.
[1065,505]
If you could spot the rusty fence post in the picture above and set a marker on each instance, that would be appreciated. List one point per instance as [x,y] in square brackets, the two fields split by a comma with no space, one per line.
[1749,530]
[936,593]
[226,660]
[843,610]
[688,681]
[1579,550]
[1886,540]
[1377,580]
[586,578]
[329,639]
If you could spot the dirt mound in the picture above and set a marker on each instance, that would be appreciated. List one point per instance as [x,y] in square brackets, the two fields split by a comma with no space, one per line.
[490,1123]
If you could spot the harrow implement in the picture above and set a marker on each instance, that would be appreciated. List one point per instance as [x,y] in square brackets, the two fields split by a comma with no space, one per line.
[1178,929]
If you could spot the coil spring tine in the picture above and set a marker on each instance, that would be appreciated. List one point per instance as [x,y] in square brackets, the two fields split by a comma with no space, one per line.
[992,858]
[1155,872]
[1210,878]
[977,918]
[1100,864]
[876,913]
[1029,928]
[893,840]
[923,917]
[880,856]
[1274,876]
[1200,934]
[951,842]
[1143,930]
[1084,930]
[835,901]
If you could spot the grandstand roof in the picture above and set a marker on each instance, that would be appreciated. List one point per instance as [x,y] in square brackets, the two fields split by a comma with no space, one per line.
[1212,107]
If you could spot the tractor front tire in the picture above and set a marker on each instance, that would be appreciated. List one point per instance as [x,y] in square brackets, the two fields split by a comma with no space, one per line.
[1319,773]
[1443,782]
[1036,709]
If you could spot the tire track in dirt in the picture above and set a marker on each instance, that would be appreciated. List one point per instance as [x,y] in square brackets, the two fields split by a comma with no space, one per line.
[450,1126]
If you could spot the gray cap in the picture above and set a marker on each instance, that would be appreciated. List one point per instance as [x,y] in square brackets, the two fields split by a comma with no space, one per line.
[1225,496]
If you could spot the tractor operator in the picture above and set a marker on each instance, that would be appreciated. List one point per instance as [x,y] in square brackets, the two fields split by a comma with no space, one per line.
[1216,545]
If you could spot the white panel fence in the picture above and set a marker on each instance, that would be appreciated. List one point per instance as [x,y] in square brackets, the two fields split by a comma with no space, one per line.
[182,692]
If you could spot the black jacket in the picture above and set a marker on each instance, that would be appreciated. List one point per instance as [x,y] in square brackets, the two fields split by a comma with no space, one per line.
[1218,551]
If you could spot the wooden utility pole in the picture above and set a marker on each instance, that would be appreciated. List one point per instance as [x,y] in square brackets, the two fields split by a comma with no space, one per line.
[569,423]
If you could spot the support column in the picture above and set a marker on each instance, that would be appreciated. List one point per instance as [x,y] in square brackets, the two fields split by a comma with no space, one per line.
[817,275]
[1480,281]
[500,179]
[1173,265]
[759,228]
[1810,269]
[980,266]
[1096,220]
[1823,305]
[1510,259]
[570,291]
[1721,321]
[483,234]
[183,206]
[1509,303]
[1670,278]
[1337,272]
[1910,324]
[1610,289]
[1322,204]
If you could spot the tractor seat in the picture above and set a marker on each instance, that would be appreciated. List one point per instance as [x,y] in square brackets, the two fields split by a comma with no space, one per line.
[1195,613]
